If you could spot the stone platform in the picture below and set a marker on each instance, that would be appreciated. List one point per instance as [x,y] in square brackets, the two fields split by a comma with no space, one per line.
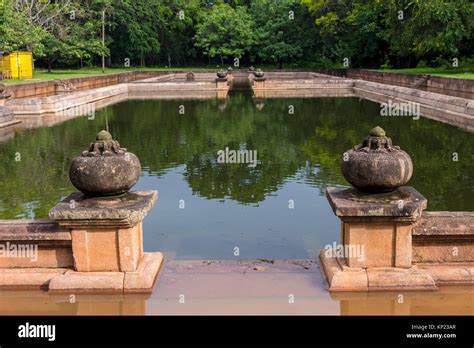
[90,245]
[233,287]
[389,243]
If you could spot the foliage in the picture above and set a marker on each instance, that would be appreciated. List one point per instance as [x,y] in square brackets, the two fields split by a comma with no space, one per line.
[304,33]
[225,32]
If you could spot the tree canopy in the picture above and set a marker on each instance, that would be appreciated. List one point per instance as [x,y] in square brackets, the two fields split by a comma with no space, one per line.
[294,33]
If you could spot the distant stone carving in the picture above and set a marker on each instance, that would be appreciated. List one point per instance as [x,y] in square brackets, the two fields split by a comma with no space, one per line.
[61,86]
[222,74]
[259,73]
[190,77]
[105,169]
[3,94]
[376,165]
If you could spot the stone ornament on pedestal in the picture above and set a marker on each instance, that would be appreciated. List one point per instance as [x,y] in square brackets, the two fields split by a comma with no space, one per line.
[377,219]
[105,169]
[258,79]
[190,77]
[6,116]
[221,81]
[376,165]
[105,222]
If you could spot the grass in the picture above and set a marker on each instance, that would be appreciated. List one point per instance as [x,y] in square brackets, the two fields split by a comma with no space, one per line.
[461,73]
[43,75]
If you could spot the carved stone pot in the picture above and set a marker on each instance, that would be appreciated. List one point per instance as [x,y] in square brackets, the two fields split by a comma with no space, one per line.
[105,169]
[259,74]
[376,166]
[222,74]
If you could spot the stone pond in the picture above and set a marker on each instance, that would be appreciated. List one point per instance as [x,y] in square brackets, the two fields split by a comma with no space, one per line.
[206,210]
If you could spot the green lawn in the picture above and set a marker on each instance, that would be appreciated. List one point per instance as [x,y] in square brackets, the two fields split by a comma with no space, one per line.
[465,73]
[43,75]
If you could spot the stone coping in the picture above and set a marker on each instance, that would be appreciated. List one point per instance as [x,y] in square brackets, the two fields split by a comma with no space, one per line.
[445,223]
[126,210]
[452,110]
[32,230]
[403,204]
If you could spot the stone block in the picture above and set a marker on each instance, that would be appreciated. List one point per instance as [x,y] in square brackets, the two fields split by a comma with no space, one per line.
[390,278]
[87,282]
[106,232]
[143,279]
[29,278]
[339,279]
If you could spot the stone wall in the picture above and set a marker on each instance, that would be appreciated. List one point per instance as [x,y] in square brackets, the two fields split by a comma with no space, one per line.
[463,88]
[444,237]
[48,88]
[444,108]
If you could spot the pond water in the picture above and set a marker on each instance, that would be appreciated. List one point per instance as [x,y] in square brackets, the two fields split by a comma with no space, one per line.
[207,209]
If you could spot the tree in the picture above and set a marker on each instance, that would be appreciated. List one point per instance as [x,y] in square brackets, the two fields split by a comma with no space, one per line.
[225,32]
[282,30]
[428,30]
[135,28]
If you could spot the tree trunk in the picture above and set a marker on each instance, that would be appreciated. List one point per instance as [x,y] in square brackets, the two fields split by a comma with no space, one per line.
[50,63]
[280,64]
[222,60]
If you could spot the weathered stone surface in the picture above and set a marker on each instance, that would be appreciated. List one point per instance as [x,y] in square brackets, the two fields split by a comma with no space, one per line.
[106,232]
[376,165]
[106,169]
[404,204]
[142,280]
[445,223]
[343,279]
[444,237]
[126,210]
[87,282]
[107,249]
[29,278]
[35,230]
[448,274]
[41,254]
[390,278]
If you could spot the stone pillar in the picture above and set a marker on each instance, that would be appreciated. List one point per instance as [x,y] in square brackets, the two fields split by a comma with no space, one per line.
[106,231]
[221,84]
[377,219]
[105,222]
[376,229]
[259,83]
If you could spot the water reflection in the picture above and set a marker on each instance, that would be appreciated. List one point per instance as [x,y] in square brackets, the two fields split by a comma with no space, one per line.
[233,204]
[446,301]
